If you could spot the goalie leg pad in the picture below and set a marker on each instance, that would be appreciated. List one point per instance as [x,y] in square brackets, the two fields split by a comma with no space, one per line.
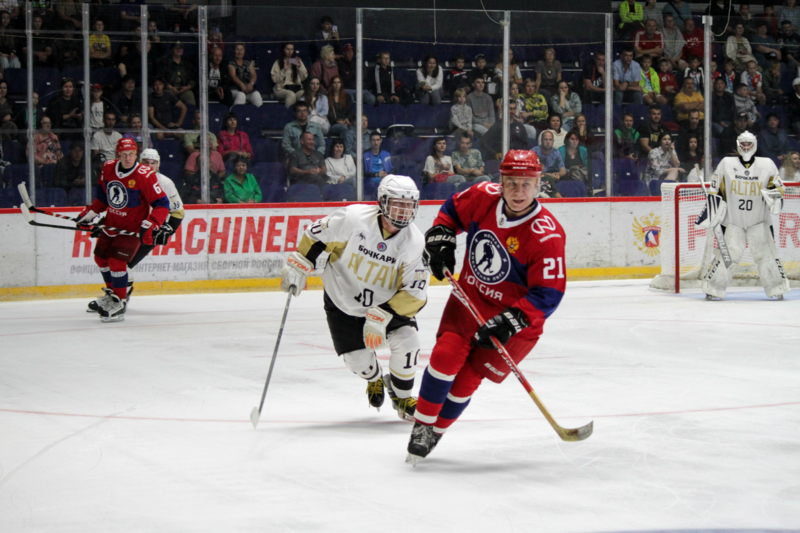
[363,363]
[404,343]
[765,253]
[718,277]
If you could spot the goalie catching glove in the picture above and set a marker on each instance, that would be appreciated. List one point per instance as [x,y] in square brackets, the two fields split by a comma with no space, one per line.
[440,250]
[502,327]
[295,272]
[717,212]
[375,327]
[774,199]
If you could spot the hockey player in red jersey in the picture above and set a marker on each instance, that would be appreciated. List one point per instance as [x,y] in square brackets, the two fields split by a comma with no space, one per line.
[513,271]
[135,203]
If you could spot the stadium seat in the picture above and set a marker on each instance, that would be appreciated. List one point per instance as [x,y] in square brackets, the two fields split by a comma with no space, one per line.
[464,186]
[492,168]
[273,189]
[12,150]
[625,169]
[170,151]
[340,192]
[172,170]
[77,197]
[16,174]
[17,79]
[51,197]
[571,189]
[274,171]
[439,191]
[655,187]
[371,189]
[216,112]
[188,120]
[46,176]
[273,116]
[9,198]
[249,119]
[304,192]
[389,114]
[632,188]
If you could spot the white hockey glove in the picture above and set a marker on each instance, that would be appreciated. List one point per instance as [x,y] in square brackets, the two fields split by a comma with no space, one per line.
[375,327]
[86,216]
[295,272]
[774,200]
[718,210]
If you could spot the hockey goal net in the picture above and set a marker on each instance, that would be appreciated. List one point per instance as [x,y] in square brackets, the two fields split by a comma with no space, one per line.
[686,250]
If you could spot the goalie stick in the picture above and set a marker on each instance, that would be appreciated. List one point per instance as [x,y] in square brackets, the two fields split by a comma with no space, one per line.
[569,435]
[723,246]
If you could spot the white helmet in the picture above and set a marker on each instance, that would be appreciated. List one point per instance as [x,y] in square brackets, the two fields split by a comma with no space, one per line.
[392,187]
[747,138]
[151,154]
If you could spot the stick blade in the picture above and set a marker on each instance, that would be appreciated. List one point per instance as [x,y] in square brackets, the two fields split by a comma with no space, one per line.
[26,213]
[23,192]
[577,434]
[254,416]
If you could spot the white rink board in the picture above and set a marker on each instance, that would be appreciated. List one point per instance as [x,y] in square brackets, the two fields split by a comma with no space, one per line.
[232,242]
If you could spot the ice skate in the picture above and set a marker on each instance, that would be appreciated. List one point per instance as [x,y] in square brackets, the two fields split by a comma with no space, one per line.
[114,311]
[422,442]
[375,393]
[405,407]
[130,291]
[96,305]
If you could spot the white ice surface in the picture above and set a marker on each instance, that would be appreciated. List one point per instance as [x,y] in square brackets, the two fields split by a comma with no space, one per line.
[143,425]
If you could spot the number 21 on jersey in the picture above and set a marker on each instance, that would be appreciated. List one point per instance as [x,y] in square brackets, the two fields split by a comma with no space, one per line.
[553,268]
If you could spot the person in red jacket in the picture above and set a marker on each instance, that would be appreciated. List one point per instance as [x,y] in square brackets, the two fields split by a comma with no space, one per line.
[233,141]
[130,195]
[513,272]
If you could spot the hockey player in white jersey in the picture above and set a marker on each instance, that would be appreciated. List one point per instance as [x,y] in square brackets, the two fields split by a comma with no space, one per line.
[745,192]
[375,283]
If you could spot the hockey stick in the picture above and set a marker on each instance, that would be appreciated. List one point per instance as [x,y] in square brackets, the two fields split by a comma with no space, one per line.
[723,246]
[255,414]
[23,192]
[570,435]
[29,218]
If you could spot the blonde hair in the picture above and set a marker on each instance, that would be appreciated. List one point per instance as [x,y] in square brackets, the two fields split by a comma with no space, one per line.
[326,51]
[788,165]
[458,93]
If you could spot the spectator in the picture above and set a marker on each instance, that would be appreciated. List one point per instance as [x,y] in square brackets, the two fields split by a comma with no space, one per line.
[627,75]
[99,46]
[340,166]
[130,14]
[232,142]
[69,14]
[97,107]
[753,80]
[328,35]
[386,88]
[66,51]
[71,170]
[131,63]
[219,82]
[727,140]
[745,104]
[182,16]
[341,112]
[301,124]
[769,17]
[307,165]
[288,73]
[468,162]
[12,7]
[794,106]
[772,84]
[317,102]
[650,131]
[8,129]
[8,44]
[215,39]
[42,45]
[723,13]
[695,71]
[192,186]
[461,113]
[594,79]
[765,49]
[747,20]
[566,103]
[772,140]
[326,68]
[22,115]
[690,127]
[346,66]
[584,133]
[66,110]
[350,136]
[438,166]
[554,127]
[485,73]
[790,45]
[104,142]
[790,12]
[648,41]
[457,77]
[429,82]
[738,48]
[626,139]
[159,108]
[692,154]
[240,186]
[242,73]
[548,74]
[576,159]
[652,12]
[179,75]
[650,83]
[492,142]
[46,148]
[729,75]
[512,64]
[682,11]
[482,107]
[687,100]
[631,15]
[666,81]
[790,169]
[534,109]
[192,144]
[135,132]
[127,100]
[673,44]
[662,162]
[694,40]
[377,162]
[552,166]
[723,107]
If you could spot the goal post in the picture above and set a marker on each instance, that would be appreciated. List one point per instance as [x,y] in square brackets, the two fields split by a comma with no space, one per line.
[686,250]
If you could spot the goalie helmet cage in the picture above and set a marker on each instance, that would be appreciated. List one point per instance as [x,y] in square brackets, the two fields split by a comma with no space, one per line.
[687,250]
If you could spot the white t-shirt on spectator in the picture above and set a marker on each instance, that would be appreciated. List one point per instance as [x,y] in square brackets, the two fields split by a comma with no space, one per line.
[107,144]
[558,138]
[344,166]
[434,167]
[96,112]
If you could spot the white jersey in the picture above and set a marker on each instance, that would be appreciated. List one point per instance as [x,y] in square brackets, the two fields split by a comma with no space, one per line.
[740,186]
[366,267]
[168,186]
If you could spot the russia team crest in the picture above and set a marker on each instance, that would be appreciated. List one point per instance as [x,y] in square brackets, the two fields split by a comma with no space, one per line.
[648,234]
[488,258]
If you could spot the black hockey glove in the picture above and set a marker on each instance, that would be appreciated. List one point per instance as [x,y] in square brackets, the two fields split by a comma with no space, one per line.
[440,250]
[162,235]
[502,327]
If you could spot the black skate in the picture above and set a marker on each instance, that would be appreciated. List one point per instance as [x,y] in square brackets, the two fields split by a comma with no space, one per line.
[375,393]
[405,407]
[422,442]
[113,312]
[96,305]
[130,291]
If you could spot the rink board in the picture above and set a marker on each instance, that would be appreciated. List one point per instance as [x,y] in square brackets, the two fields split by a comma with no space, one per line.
[223,248]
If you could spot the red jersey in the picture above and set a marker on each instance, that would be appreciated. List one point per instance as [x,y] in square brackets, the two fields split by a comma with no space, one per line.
[508,262]
[129,196]
[643,42]
[694,44]
[667,80]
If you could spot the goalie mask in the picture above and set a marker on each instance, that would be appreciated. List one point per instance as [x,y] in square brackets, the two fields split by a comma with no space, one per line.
[398,199]
[746,144]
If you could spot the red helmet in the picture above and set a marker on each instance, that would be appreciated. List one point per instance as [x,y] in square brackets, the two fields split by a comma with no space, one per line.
[521,163]
[124,145]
